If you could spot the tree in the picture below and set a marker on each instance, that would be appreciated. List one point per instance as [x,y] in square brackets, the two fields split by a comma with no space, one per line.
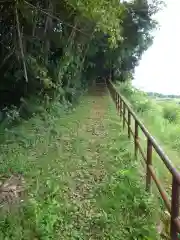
[54,47]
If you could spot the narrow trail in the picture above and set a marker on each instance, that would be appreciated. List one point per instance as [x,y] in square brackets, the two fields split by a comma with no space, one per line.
[94,189]
[92,171]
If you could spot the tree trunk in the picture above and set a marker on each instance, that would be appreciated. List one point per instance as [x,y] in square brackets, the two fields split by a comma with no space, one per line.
[47,30]
[21,44]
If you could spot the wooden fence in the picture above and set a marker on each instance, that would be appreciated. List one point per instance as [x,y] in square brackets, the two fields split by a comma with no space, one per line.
[127,114]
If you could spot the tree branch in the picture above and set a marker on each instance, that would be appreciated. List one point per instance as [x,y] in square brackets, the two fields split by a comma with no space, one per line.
[54,17]
[21,44]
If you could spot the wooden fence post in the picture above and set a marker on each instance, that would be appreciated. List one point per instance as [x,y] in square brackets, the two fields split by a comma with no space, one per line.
[116,100]
[174,208]
[148,163]
[129,124]
[124,114]
[113,95]
[118,103]
[120,106]
[136,139]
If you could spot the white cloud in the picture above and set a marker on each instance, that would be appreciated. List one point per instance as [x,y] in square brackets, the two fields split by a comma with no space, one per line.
[159,68]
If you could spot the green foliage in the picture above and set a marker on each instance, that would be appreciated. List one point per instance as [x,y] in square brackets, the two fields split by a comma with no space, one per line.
[79,184]
[134,200]
[161,117]
[104,13]
[50,52]
[40,73]
[139,99]
[65,45]
[171,112]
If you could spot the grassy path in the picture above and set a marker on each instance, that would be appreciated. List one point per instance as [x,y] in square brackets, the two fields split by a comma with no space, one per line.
[81,180]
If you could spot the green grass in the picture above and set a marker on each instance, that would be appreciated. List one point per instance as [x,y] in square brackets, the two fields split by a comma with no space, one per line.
[81,179]
[162,119]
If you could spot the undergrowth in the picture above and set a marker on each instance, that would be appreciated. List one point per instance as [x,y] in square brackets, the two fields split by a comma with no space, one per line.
[81,179]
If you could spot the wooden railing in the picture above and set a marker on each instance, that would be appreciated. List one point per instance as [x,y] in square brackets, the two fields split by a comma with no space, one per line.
[127,114]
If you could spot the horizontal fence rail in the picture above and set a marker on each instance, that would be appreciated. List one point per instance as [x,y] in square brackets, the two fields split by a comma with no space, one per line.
[127,114]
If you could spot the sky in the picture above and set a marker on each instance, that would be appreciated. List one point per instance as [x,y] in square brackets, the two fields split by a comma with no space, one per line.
[159,68]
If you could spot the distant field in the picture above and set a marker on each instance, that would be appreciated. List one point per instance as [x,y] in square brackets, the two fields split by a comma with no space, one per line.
[176,100]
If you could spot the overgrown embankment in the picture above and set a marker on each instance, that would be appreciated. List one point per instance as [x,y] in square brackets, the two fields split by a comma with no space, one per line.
[162,118]
[77,178]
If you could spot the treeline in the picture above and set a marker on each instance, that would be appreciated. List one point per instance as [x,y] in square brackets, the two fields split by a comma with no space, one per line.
[54,48]
[160,95]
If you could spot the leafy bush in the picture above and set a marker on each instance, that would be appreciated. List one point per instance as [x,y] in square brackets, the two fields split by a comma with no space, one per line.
[139,99]
[171,112]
